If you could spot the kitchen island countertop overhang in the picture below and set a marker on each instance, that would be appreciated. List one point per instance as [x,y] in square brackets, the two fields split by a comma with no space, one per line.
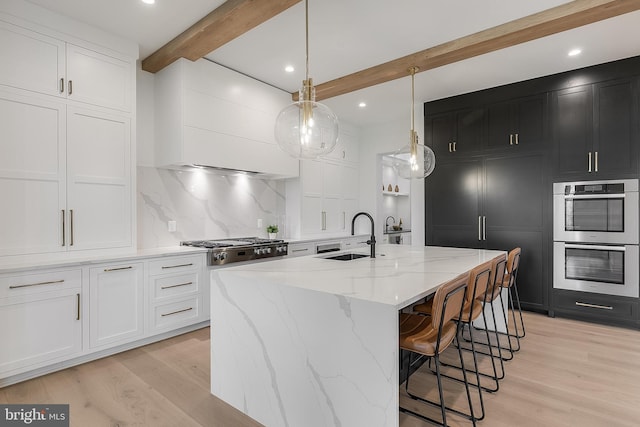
[313,341]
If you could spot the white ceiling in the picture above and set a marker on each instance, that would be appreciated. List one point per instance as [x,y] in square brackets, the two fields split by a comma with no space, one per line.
[350,35]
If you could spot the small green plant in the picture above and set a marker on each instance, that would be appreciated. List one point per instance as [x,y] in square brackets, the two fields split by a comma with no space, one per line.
[272,229]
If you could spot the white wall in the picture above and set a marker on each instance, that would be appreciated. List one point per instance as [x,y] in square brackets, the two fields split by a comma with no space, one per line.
[387,138]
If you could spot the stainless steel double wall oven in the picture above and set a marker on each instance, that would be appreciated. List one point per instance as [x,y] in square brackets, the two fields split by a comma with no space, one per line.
[596,236]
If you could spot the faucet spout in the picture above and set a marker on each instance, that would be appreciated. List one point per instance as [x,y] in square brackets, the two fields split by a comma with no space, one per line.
[372,240]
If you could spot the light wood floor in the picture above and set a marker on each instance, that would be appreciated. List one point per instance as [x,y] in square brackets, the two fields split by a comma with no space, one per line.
[568,373]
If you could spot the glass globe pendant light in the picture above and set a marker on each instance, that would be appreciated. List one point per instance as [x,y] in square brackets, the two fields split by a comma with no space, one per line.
[414,160]
[307,129]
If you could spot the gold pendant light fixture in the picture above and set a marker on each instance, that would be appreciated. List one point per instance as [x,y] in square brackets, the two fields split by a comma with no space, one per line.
[307,129]
[414,160]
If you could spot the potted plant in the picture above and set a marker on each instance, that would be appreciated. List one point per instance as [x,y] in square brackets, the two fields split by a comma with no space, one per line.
[272,230]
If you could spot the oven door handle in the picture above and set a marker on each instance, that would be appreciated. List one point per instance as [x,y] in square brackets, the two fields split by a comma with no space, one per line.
[594,196]
[595,247]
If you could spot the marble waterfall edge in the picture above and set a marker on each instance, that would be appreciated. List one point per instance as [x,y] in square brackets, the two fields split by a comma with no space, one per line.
[290,357]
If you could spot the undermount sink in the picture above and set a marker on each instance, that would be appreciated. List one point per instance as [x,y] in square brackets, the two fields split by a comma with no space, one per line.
[346,257]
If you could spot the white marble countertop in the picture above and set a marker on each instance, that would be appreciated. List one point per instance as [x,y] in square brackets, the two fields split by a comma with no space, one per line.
[67,259]
[326,238]
[398,276]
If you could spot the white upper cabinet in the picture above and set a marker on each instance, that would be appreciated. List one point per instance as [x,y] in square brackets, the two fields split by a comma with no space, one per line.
[43,64]
[66,121]
[209,115]
[98,79]
[31,60]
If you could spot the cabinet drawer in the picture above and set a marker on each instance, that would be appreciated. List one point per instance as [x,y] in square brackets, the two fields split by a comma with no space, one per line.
[17,284]
[300,249]
[172,286]
[178,313]
[173,265]
[589,305]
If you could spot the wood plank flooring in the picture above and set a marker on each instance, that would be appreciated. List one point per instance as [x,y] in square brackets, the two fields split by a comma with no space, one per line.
[568,373]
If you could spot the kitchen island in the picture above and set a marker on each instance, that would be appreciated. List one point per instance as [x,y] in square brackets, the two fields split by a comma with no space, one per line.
[311,341]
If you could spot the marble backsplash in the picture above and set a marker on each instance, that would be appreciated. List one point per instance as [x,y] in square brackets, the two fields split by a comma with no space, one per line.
[205,206]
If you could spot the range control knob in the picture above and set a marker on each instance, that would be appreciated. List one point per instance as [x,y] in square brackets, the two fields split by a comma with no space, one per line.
[267,250]
[257,251]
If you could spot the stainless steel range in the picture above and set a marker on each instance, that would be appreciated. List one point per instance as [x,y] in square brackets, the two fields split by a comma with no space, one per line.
[227,251]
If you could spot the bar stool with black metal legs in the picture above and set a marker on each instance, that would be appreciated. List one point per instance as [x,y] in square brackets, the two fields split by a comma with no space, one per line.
[498,266]
[479,278]
[509,282]
[429,336]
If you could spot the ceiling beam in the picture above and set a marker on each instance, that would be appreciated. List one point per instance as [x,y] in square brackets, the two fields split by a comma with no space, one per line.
[551,21]
[230,20]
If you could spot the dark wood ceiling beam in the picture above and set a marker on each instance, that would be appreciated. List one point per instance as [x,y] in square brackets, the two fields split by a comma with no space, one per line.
[551,21]
[230,20]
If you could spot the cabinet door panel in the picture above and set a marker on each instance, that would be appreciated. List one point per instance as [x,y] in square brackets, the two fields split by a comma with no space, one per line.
[99,179]
[39,329]
[499,126]
[99,79]
[32,175]
[30,60]
[530,121]
[311,215]
[470,127]
[452,201]
[572,129]
[116,304]
[514,191]
[531,273]
[439,133]
[615,141]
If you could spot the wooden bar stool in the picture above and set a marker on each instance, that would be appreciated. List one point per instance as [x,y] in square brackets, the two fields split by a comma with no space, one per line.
[429,336]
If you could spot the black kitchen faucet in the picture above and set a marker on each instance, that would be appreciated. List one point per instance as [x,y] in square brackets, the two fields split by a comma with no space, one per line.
[372,241]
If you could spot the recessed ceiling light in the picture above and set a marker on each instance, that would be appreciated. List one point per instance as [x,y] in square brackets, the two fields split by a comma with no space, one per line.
[289,69]
[574,52]
[149,1]
[362,104]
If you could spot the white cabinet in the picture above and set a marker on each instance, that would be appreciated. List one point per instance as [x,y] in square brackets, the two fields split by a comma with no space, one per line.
[65,158]
[99,208]
[36,62]
[40,317]
[178,294]
[329,197]
[32,174]
[116,304]
[209,115]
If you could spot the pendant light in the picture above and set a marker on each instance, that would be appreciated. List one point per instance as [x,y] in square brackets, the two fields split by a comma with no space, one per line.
[414,160]
[307,129]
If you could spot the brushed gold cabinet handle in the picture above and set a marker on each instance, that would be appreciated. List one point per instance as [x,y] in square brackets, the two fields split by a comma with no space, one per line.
[36,284]
[176,312]
[510,139]
[601,307]
[589,162]
[70,86]
[177,266]
[454,146]
[63,229]
[78,306]
[596,161]
[118,268]
[71,221]
[61,85]
[175,286]
[517,139]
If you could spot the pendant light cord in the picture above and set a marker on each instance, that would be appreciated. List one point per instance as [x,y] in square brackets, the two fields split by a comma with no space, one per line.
[306,26]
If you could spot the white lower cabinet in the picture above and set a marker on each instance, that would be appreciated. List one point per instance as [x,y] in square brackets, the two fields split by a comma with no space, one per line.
[178,292]
[40,318]
[53,317]
[116,304]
